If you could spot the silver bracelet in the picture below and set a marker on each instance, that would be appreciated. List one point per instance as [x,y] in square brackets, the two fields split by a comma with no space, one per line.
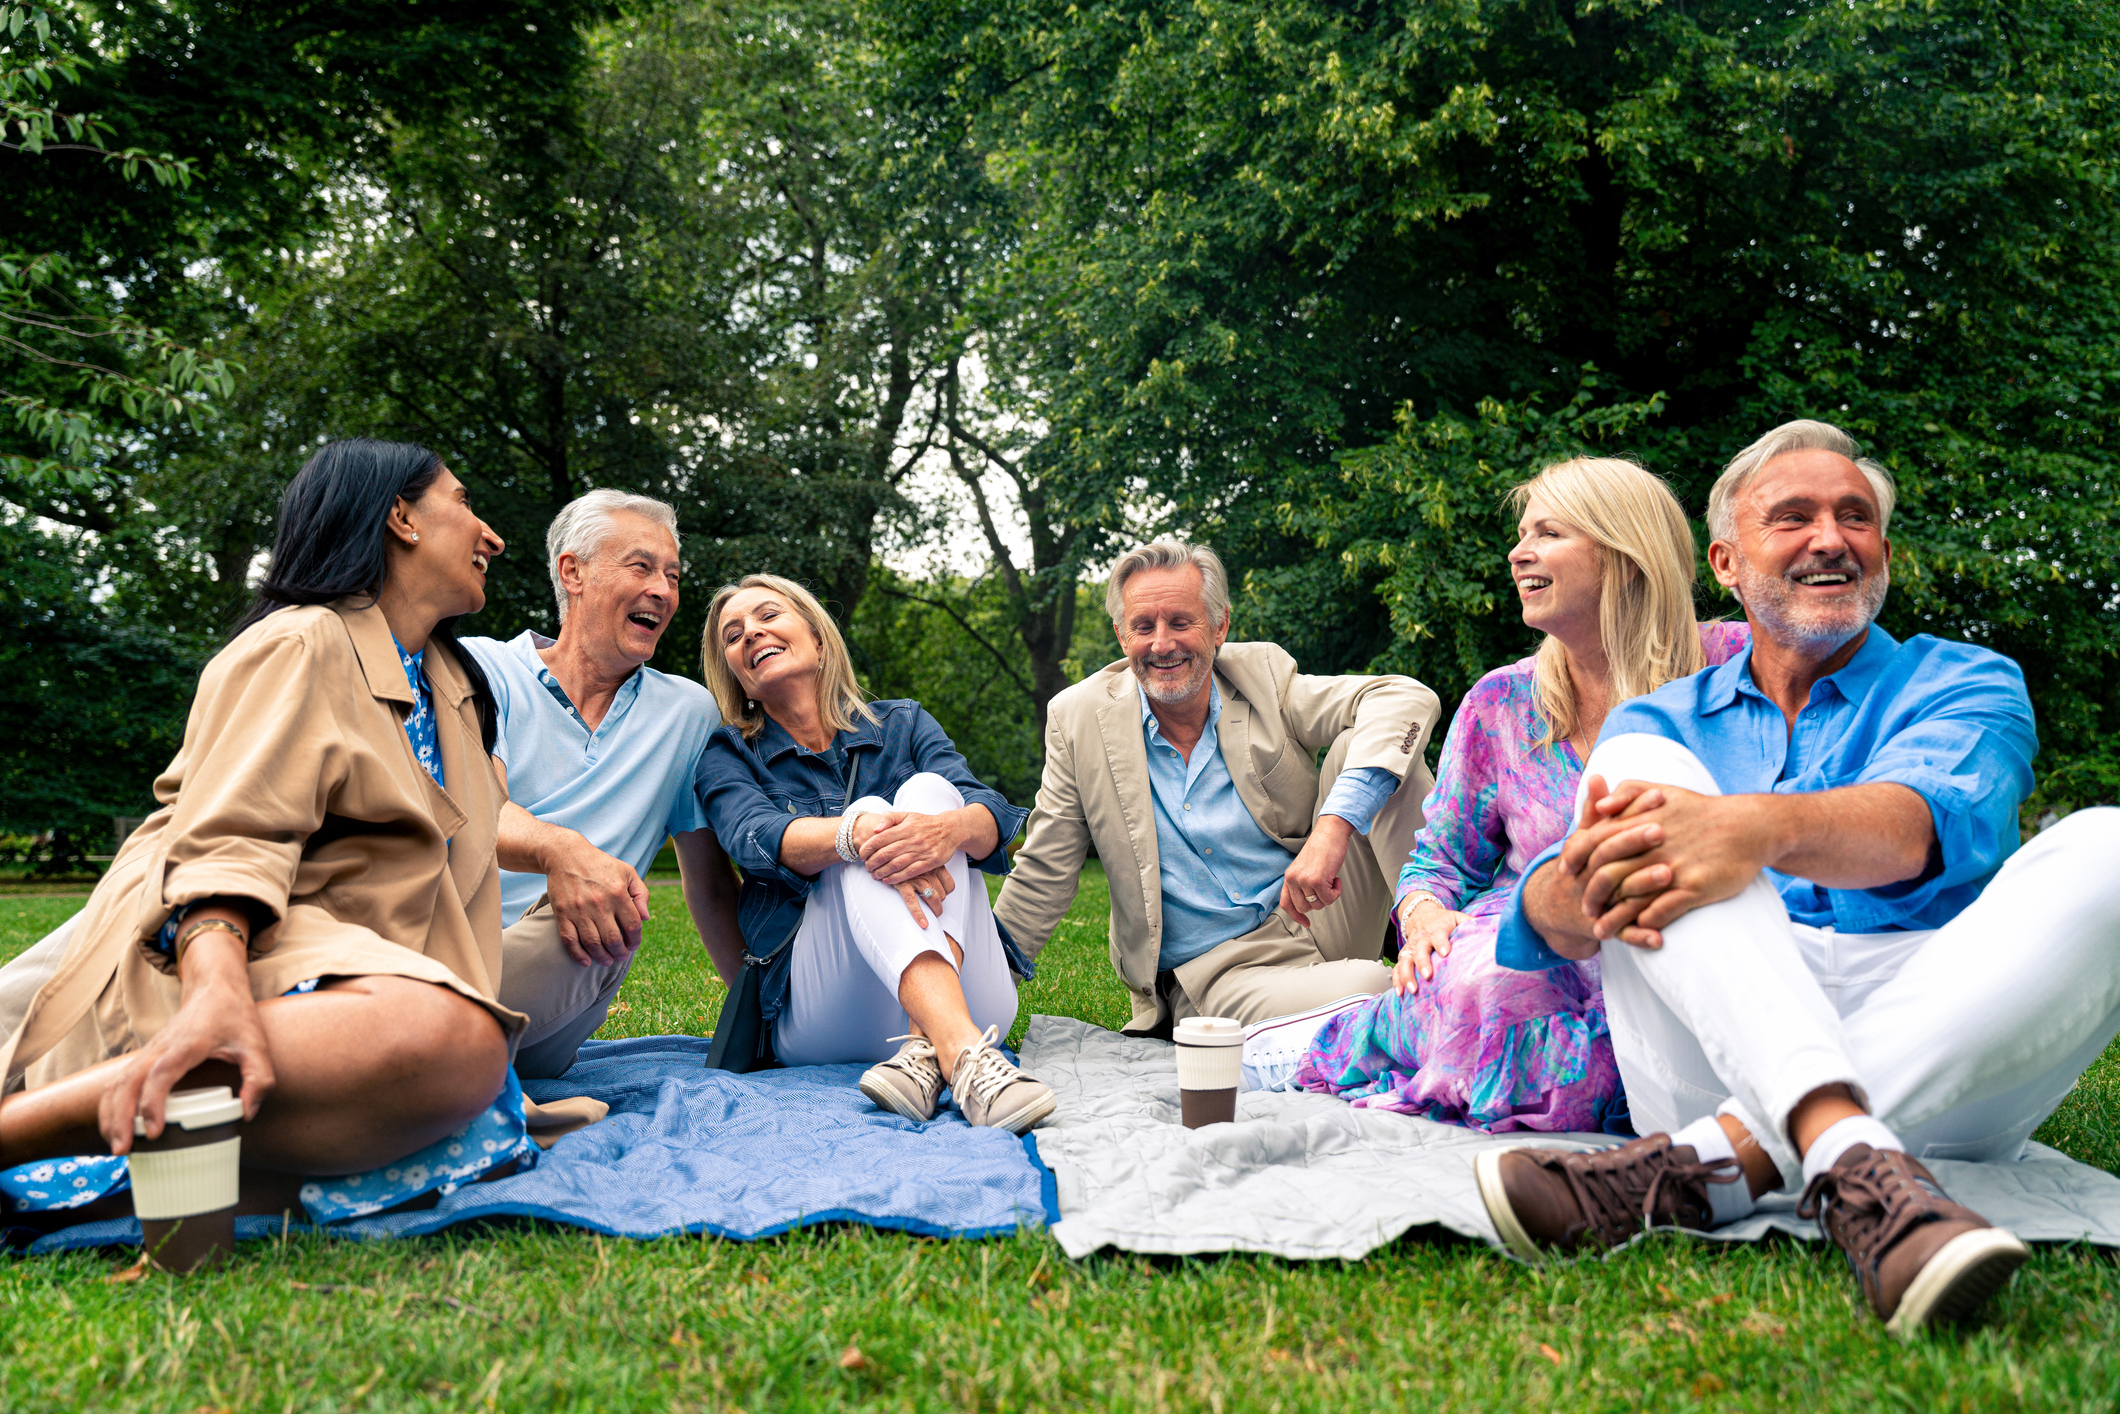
[844,842]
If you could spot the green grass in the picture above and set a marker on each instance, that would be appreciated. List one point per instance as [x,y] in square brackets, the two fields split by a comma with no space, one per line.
[549,1319]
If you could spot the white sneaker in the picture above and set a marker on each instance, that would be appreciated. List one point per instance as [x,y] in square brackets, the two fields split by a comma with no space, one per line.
[1274,1048]
[990,1091]
[909,1083]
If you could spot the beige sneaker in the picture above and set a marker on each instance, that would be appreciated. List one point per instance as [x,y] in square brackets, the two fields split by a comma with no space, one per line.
[991,1091]
[909,1083]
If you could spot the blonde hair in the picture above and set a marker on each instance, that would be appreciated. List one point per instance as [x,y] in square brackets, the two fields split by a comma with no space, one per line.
[1645,611]
[1802,435]
[840,699]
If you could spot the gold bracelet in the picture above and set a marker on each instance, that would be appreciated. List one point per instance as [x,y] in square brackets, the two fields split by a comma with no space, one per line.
[203,925]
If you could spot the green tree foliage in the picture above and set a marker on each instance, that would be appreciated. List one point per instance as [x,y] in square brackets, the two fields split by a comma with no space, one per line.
[97,696]
[68,338]
[1424,519]
[705,285]
[131,518]
[950,644]
[1259,234]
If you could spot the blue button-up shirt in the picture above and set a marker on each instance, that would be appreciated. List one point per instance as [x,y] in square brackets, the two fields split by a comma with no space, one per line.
[1947,720]
[753,790]
[625,787]
[1221,873]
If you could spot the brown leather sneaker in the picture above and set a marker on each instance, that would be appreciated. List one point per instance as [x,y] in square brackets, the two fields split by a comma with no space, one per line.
[1921,1259]
[1549,1200]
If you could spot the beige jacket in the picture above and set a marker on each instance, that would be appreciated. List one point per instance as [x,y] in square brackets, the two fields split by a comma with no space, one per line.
[1095,789]
[296,787]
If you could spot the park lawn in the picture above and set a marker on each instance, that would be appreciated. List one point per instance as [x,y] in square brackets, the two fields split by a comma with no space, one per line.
[547,1318]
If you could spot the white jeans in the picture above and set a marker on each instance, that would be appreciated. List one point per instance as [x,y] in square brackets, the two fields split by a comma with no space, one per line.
[1962,1038]
[857,939]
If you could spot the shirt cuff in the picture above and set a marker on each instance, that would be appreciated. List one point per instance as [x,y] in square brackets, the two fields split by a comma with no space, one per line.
[1517,944]
[1357,795]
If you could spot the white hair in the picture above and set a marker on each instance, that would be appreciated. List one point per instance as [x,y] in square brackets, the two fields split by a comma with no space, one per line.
[1170,555]
[584,523]
[1802,435]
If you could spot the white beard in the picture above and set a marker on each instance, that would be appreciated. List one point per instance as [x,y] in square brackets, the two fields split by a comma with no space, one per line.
[1203,667]
[1772,600]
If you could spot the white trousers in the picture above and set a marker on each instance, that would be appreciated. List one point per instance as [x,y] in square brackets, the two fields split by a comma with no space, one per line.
[857,939]
[1962,1039]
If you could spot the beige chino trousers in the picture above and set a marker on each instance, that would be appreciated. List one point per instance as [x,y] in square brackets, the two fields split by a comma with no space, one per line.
[565,1001]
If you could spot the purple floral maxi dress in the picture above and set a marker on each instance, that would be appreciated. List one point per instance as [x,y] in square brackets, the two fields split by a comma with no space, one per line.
[1483,1045]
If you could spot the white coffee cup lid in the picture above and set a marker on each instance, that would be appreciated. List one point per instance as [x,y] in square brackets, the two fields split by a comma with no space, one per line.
[1208,1031]
[197,1109]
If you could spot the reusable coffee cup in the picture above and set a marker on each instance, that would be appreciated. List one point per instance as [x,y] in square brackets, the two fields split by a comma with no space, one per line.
[185,1184]
[1210,1063]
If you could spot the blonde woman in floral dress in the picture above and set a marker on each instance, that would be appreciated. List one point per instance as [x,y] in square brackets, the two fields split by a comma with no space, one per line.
[1604,566]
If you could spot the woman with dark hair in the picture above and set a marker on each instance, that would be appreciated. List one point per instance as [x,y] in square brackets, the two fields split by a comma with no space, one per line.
[313,915]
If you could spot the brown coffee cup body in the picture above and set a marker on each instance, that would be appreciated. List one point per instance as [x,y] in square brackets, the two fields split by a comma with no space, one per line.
[1198,1107]
[203,1240]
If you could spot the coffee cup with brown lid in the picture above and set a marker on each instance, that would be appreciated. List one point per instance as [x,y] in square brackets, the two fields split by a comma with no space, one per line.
[1210,1065]
[185,1184]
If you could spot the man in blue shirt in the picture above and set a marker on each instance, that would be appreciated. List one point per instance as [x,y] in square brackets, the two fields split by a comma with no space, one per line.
[599,750]
[1249,878]
[1824,955]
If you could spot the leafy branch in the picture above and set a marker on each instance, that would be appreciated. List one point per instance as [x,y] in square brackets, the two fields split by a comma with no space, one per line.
[174,381]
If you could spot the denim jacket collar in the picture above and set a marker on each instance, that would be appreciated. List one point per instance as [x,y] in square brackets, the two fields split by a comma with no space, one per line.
[775,742]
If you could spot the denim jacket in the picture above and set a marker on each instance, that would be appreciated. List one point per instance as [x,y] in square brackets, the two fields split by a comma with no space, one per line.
[752,791]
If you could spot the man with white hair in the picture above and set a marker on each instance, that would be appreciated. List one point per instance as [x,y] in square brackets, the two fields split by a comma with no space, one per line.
[599,750]
[1248,878]
[1825,957]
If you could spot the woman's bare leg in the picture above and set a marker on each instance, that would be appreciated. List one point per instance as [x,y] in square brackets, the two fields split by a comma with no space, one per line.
[368,1069]
[933,998]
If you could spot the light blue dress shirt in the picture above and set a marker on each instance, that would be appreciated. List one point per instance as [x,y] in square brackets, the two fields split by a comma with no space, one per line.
[1221,872]
[624,787]
[1949,721]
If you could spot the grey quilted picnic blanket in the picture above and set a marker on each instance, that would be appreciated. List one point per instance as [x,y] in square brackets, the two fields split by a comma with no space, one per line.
[1309,1177]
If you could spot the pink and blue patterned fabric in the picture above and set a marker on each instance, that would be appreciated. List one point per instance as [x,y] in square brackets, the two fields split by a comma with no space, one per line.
[1482,1045]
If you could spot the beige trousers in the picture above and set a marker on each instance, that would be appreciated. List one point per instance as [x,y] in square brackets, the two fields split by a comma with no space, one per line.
[565,1001]
[1280,966]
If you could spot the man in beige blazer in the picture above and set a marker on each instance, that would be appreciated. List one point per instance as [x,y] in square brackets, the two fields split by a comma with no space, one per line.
[1249,879]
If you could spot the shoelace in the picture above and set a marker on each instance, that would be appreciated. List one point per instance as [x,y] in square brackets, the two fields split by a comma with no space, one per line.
[990,1072]
[1601,1190]
[1876,1204]
[924,1068]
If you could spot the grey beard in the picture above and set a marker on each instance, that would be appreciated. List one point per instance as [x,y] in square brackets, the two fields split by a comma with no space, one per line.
[1770,599]
[1202,668]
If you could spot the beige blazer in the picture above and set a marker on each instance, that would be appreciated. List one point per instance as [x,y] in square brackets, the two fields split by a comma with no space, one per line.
[1095,789]
[296,787]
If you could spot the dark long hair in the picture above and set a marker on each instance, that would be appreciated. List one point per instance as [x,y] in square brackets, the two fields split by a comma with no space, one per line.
[332,540]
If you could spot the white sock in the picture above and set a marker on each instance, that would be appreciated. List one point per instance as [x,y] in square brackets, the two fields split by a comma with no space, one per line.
[1842,1136]
[1728,1201]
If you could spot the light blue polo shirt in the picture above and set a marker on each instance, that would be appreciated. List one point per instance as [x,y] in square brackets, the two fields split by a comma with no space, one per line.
[625,787]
